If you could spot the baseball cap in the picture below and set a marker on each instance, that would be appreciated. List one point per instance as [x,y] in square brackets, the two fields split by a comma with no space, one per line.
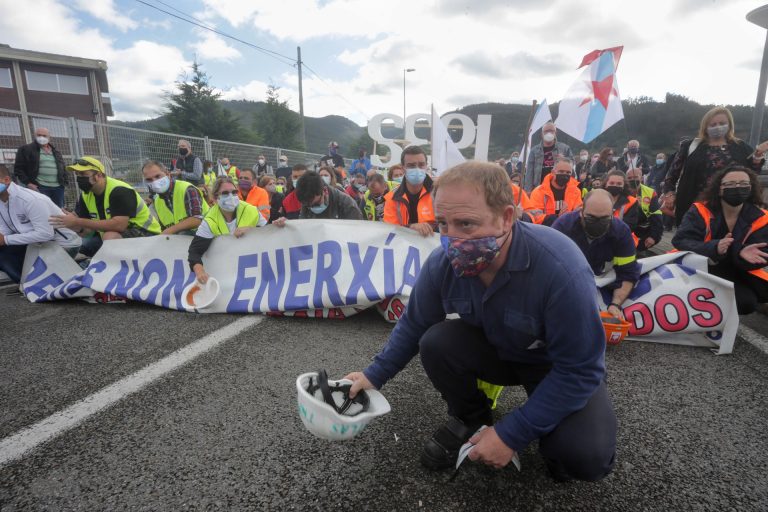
[86,163]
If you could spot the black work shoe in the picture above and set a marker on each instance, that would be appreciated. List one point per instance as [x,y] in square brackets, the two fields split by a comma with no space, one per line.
[442,449]
[13,291]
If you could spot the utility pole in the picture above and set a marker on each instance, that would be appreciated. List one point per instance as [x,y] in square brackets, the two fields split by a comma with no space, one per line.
[301,99]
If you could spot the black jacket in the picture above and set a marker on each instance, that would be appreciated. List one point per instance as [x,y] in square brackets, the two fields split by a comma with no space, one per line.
[340,206]
[27,164]
[642,163]
[690,236]
[689,174]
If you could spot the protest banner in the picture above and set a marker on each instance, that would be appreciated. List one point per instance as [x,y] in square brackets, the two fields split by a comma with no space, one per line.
[313,269]
[323,269]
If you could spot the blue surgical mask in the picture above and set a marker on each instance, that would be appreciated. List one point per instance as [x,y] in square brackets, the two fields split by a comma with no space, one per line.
[318,209]
[399,179]
[415,176]
[229,203]
[360,187]
[161,186]
[659,161]
[3,187]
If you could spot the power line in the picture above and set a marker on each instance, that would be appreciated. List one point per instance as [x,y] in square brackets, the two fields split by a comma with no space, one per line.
[193,21]
[334,91]
[270,53]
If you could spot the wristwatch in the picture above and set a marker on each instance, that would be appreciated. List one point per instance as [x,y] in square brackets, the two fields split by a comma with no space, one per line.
[614,304]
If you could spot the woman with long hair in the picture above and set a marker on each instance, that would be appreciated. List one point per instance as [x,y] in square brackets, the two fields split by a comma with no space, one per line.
[713,149]
[269,183]
[604,163]
[729,227]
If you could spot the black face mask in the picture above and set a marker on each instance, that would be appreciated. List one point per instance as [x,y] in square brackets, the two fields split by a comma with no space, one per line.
[562,179]
[736,196]
[595,227]
[614,190]
[633,151]
[634,183]
[183,151]
[84,183]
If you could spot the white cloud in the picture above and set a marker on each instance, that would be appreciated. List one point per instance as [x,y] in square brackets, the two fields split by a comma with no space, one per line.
[138,75]
[106,11]
[255,90]
[209,46]
[236,12]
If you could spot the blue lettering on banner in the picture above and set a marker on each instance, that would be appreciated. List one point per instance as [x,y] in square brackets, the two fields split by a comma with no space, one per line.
[236,304]
[411,269]
[124,280]
[325,276]
[93,268]
[272,281]
[642,287]
[298,277]
[39,289]
[389,272]
[687,270]
[664,272]
[362,273]
[153,266]
[180,279]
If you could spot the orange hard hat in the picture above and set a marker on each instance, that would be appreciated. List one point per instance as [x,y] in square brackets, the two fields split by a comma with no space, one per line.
[615,330]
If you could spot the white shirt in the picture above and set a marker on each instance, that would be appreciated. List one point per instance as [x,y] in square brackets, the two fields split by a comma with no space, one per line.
[24,219]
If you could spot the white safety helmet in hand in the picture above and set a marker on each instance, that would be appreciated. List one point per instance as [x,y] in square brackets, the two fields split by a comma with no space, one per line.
[327,411]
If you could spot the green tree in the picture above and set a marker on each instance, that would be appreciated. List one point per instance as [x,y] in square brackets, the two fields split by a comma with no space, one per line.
[278,126]
[194,109]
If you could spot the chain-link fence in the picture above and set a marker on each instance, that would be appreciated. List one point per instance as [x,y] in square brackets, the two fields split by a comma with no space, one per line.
[124,150]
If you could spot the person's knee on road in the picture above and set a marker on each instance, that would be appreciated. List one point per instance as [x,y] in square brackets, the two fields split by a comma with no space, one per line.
[111,235]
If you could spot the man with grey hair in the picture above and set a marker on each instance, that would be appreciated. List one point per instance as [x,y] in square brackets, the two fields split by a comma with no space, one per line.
[188,167]
[39,166]
[632,159]
[542,158]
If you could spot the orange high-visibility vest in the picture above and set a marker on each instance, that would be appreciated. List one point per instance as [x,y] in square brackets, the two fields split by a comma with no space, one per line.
[706,214]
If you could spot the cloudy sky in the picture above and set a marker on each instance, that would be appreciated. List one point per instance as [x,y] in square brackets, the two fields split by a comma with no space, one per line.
[463,51]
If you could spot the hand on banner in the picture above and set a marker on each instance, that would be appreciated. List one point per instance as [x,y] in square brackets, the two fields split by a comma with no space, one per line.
[201,274]
[490,449]
[239,232]
[724,244]
[68,220]
[279,222]
[359,382]
[752,254]
[422,228]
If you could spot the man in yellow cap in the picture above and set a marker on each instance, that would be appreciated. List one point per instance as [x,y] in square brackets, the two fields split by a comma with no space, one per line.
[111,208]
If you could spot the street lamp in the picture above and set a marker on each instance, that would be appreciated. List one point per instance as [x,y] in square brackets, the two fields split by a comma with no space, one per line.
[405,70]
[759,17]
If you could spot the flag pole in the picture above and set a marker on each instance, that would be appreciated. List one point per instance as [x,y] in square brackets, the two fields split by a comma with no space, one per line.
[525,150]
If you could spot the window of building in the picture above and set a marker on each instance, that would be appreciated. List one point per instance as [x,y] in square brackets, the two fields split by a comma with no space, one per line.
[5,78]
[54,82]
[10,126]
[56,127]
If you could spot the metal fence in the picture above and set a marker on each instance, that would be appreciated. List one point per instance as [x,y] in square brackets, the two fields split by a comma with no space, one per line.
[123,150]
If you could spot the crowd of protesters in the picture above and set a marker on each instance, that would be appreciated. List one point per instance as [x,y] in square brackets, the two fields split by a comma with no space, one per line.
[550,187]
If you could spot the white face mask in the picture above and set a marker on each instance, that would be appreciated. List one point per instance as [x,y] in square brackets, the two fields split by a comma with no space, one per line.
[548,137]
[229,203]
[283,163]
[42,140]
[161,186]
[326,179]
[261,161]
[584,158]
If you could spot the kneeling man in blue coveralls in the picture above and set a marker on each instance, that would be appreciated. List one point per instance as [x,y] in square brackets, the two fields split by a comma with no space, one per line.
[528,317]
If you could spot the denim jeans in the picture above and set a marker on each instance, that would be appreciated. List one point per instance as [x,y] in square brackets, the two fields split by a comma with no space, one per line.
[55,193]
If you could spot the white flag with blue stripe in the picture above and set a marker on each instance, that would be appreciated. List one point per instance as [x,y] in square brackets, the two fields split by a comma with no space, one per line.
[592,104]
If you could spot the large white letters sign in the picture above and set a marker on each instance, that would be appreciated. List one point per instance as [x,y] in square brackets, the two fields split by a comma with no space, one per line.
[470,134]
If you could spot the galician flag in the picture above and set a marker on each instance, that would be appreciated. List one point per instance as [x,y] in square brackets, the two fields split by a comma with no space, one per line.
[592,104]
[445,154]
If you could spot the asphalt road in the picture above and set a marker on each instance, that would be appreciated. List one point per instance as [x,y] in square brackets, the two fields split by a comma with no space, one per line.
[222,432]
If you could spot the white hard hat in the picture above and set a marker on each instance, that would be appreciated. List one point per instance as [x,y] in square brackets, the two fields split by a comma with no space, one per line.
[327,411]
[199,296]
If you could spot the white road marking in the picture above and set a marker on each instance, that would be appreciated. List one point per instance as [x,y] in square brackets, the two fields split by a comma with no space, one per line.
[753,337]
[18,444]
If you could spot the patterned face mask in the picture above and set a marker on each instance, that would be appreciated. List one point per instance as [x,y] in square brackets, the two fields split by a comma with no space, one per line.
[470,256]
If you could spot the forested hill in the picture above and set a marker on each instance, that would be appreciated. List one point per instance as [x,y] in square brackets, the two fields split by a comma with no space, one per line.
[658,125]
